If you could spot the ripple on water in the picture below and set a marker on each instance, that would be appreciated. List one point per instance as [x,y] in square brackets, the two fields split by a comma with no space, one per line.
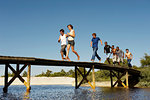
[49,92]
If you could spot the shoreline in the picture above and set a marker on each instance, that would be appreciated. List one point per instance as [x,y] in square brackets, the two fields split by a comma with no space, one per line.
[54,81]
[57,81]
[42,81]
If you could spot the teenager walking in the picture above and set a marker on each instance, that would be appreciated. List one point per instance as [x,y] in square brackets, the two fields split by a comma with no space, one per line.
[113,51]
[71,42]
[107,51]
[63,40]
[94,45]
[129,57]
[120,55]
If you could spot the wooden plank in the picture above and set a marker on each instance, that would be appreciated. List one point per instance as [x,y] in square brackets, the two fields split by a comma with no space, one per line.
[5,89]
[28,77]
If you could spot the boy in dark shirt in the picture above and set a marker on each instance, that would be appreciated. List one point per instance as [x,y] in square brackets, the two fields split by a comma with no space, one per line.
[107,51]
[94,45]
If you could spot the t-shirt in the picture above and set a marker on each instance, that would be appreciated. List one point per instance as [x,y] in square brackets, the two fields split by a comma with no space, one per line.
[107,48]
[119,53]
[95,42]
[63,39]
[70,38]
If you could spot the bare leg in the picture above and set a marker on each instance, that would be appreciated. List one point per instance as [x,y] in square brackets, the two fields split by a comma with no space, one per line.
[108,60]
[62,55]
[72,47]
[68,48]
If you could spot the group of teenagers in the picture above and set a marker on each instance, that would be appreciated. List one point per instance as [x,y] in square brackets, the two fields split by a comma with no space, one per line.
[67,40]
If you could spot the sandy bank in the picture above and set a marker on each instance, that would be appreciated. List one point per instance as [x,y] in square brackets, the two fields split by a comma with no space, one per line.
[54,81]
[100,84]
[43,81]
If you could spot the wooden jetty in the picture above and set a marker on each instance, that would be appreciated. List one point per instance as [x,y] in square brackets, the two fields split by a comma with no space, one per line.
[132,75]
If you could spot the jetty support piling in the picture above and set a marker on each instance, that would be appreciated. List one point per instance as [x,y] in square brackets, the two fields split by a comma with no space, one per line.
[28,78]
[6,78]
[127,82]
[84,78]
[16,73]
[76,78]
[93,76]
[111,78]
[119,77]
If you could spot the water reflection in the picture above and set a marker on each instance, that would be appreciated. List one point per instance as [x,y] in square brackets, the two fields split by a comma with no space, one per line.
[69,93]
[26,95]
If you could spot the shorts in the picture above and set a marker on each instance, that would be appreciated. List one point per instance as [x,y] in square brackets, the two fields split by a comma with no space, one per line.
[72,43]
[114,58]
[108,55]
[120,59]
[63,48]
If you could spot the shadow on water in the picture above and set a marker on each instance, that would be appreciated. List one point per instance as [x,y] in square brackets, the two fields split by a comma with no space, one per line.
[69,93]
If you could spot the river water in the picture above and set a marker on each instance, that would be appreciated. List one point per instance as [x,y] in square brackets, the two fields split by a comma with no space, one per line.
[57,92]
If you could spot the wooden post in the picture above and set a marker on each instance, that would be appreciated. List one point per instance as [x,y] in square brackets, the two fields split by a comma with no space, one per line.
[127,82]
[76,80]
[5,89]
[17,67]
[111,78]
[28,78]
[93,76]
[84,71]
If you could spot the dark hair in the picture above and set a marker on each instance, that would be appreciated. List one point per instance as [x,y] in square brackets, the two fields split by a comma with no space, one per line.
[62,30]
[127,49]
[106,42]
[113,45]
[70,26]
[117,47]
[94,34]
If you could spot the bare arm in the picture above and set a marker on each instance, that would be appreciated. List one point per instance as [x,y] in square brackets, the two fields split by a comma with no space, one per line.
[73,35]
[123,54]
[59,39]
[131,55]
[91,43]
[101,42]
[66,35]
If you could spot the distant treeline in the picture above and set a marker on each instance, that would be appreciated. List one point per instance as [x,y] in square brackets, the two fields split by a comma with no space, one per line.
[49,73]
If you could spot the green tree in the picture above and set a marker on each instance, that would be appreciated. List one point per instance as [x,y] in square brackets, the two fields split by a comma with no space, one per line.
[48,73]
[24,74]
[62,72]
[71,73]
[10,74]
[145,62]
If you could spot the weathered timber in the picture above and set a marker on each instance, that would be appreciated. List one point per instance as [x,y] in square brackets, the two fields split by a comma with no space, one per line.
[48,62]
[131,74]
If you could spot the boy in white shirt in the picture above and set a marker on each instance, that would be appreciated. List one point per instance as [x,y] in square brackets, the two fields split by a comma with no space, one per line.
[63,40]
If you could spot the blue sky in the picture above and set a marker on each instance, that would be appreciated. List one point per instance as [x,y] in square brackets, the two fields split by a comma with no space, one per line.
[30,28]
